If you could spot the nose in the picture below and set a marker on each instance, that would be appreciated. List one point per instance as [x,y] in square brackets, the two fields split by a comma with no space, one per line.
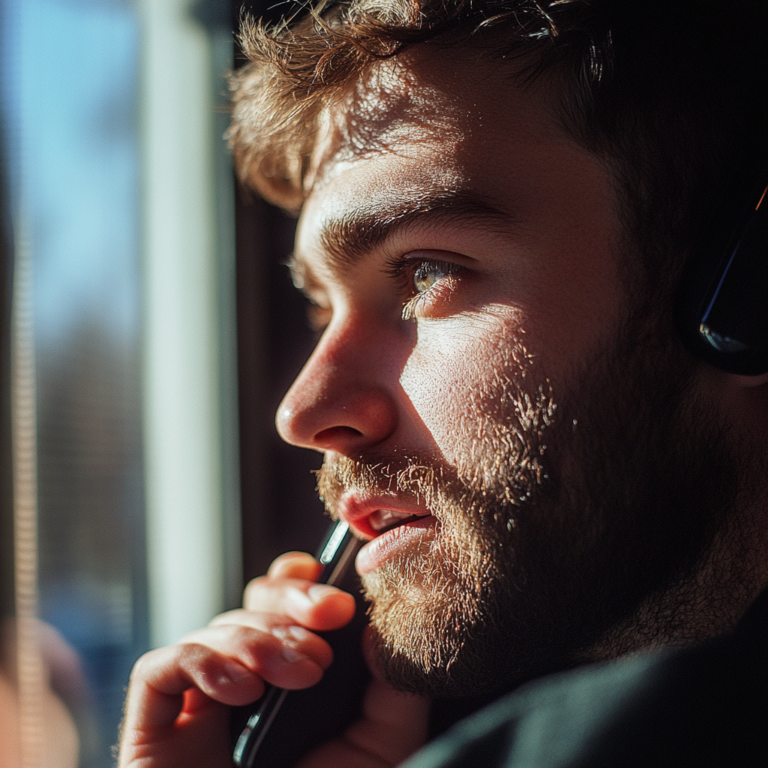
[341,400]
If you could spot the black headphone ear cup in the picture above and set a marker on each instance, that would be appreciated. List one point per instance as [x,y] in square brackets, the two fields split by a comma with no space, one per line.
[722,303]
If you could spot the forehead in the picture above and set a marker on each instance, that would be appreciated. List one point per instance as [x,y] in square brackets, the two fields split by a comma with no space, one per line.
[444,150]
[451,124]
[454,104]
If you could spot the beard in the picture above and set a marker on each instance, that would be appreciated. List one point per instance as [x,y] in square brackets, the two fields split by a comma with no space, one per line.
[564,520]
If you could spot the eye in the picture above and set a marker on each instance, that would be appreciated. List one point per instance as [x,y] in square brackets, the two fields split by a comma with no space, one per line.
[429,273]
[422,281]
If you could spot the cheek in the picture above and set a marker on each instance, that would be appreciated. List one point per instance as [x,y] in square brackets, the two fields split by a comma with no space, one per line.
[452,377]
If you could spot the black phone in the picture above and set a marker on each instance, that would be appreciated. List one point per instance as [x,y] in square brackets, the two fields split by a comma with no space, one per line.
[309,717]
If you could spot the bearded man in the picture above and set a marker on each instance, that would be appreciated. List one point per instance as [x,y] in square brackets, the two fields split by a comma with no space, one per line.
[497,203]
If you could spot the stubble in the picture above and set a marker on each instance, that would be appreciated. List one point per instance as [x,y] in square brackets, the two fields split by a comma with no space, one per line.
[565,519]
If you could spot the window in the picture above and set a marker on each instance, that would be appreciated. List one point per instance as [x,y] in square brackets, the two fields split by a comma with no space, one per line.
[117,196]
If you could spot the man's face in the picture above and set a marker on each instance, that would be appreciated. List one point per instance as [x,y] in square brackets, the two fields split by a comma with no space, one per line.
[489,417]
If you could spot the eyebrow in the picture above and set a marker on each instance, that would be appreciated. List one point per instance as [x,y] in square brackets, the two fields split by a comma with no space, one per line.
[350,238]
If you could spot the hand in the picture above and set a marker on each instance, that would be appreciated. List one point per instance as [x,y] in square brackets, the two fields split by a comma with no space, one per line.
[177,710]
[392,727]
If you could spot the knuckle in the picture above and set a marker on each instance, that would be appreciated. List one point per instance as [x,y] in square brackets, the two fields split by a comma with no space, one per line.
[223,618]
[192,654]
[238,616]
[249,644]
[252,588]
[144,664]
[293,564]
[240,634]
[289,557]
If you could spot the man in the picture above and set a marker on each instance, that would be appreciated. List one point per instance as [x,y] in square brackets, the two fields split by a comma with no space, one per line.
[497,201]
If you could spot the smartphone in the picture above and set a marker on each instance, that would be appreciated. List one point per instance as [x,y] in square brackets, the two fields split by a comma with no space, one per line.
[337,555]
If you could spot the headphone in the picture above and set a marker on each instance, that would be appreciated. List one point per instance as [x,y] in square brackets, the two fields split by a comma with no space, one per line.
[722,304]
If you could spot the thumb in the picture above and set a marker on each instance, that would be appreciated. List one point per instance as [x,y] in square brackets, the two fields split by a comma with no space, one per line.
[394,724]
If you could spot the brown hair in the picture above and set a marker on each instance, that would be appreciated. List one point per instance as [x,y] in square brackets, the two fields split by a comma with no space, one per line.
[671,93]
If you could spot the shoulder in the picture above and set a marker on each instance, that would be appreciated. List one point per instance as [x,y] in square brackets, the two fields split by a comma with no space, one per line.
[702,706]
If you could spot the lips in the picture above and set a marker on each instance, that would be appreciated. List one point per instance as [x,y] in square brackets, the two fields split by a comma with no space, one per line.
[372,516]
[383,520]
[391,524]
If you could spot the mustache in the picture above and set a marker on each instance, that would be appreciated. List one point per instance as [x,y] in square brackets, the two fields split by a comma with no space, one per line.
[425,480]
[432,483]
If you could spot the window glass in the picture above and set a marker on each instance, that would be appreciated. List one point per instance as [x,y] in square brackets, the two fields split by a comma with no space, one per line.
[71,74]
[118,237]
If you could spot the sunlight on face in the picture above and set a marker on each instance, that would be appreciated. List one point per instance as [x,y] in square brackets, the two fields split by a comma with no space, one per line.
[480,370]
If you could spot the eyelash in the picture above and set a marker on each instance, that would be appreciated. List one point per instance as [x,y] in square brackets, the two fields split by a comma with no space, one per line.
[402,270]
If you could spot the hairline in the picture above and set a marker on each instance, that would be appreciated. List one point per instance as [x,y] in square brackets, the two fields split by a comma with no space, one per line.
[524,70]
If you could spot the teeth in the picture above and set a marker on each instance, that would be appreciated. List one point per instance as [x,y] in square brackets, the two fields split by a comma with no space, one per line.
[383,519]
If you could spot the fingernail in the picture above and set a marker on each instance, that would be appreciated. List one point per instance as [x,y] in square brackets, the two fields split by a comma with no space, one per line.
[291,655]
[235,672]
[318,592]
[299,633]
[291,633]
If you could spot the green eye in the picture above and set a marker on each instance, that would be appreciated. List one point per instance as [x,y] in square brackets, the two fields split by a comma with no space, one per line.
[428,273]
[421,281]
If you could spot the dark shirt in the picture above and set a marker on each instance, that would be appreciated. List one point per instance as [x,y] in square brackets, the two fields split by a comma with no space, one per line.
[701,706]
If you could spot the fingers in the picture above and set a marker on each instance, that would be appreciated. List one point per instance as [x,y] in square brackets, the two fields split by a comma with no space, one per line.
[257,641]
[229,664]
[298,600]
[161,677]
[295,565]
[179,691]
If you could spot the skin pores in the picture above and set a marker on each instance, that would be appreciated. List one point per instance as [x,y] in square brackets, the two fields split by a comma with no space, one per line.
[537,448]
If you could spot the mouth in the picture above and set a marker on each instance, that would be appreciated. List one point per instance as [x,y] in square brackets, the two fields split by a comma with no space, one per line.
[373,516]
[389,529]
[383,520]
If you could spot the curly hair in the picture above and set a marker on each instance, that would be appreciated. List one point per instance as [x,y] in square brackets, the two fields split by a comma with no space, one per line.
[671,94]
